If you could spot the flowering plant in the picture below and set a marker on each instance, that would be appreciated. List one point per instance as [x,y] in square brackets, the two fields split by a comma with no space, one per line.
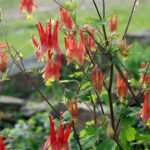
[85,48]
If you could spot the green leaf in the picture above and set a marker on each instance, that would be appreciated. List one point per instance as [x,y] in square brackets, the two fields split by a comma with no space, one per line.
[88,141]
[69,94]
[85,84]
[107,145]
[84,97]
[122,135]
[115,61]
[67,81]
[126,121]
[90,19]
[134,82]
[82,134]
[66,116]
[104,97]
[91,130]
[68,5]
[100,22]
[127,134]
[95,21]
[73,17]
[130,134]
[28,71]
[76,74]
[143,138]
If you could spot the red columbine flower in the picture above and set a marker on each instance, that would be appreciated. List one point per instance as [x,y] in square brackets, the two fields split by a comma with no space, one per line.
[58,141]
[65,19]
[2,145]
[74,52]
[112,25]
[48,42]
[89,40]
[3,62]
[52,72]
[2,46]
[144,79]
[145,112]
[122,90]
[27,6]
[73,107]
[97,78]
[122,47]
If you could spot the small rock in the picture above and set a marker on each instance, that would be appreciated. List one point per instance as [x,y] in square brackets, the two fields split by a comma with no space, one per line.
[8,103]
[30,109]
[143,36]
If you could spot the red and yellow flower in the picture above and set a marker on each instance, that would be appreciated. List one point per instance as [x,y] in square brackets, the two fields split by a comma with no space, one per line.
[145,112]
[122,89]
[122,47]
[27,6]
[89,39]
[52,72]
[145,79]
[97,78]
[59,140]
[48,41]
[112,25]
[73,107]
[74,52]
[65,19]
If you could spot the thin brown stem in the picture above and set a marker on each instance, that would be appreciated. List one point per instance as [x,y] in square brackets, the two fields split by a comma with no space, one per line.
[103,27]
[110,97]
[132,11]
[77,137]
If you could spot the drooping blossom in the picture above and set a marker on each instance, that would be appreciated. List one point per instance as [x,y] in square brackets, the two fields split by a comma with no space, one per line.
[89,40]
[59,140]
[122,47]
[2,145]
[3,46]
[97,78]
[145,112]
[112,25]
[65,19]
[3,62]
[122,89]
[145,79]
[74,52]
[73,107]
[52,71]
[27,6]
[48,41]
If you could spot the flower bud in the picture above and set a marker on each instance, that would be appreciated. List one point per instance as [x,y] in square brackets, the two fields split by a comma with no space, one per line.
[122,47]
[110,132]
[73,107]
[112,25]
[97,78]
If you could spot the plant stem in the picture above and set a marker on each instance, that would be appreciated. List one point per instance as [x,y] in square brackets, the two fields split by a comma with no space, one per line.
[103,27]
[77,137]
[110,97]
[132,11]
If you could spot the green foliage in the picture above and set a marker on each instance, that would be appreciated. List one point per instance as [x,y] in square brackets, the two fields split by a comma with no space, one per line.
[69,94]
[107,145]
